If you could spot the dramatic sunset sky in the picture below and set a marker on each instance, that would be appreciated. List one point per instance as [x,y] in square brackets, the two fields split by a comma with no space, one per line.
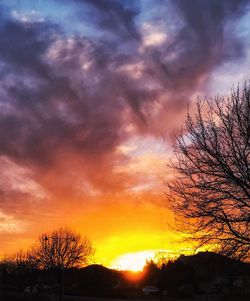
[92,93]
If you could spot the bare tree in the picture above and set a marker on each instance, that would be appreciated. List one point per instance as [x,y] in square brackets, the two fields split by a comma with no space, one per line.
[210,193]
[63,248]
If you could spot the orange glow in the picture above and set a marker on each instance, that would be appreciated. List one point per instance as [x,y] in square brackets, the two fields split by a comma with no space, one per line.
[133,276]
[125,222]
[126,231]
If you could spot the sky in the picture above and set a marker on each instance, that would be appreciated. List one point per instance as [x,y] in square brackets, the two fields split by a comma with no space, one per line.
[92,96]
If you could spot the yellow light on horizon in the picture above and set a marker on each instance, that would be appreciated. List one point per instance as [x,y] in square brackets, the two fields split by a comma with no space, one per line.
[132,261]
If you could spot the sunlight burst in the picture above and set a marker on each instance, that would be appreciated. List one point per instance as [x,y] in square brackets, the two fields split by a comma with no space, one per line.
[133,261]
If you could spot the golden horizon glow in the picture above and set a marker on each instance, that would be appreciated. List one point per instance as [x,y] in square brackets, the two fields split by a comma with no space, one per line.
[127,224]
[118,244]
[132,261]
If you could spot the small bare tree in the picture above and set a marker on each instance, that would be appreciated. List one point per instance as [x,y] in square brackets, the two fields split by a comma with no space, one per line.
[210,193]
[63,248]
[19,262]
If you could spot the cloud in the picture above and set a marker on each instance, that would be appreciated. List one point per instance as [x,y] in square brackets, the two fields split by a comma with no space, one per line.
[115,17]
[68,100]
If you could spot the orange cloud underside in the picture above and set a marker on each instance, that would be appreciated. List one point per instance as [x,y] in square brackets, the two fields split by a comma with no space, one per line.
[129,216]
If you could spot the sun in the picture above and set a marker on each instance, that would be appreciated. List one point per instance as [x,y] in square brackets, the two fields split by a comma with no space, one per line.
[132,261]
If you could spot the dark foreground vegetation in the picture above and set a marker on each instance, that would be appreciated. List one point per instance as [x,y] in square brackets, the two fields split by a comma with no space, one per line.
[205,274]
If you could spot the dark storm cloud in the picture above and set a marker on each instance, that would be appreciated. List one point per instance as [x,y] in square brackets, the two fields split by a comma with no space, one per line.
[70,95]
[25,83]
[203,42]
[113,16]
[45,112]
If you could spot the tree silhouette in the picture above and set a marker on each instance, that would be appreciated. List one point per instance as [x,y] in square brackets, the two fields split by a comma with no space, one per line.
[19,262]
[151,273]
[18,268]
[63,248]
[210,193]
